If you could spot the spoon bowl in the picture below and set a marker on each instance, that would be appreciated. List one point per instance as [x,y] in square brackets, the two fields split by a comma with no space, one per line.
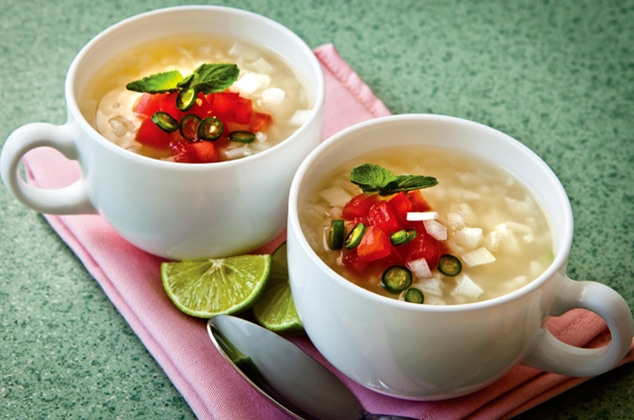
[285,374]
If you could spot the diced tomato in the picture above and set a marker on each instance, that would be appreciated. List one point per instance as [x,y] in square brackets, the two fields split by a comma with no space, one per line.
[224,104]
[202,107]
[244,111]
[260,122]
[169,105]
[202,152]
[179,151]
[151,135]
[358,206]
[381,215]
[352,263]
[422,246]
[374,245]
[151,103]
[148,104]
[418,201]
[400,206]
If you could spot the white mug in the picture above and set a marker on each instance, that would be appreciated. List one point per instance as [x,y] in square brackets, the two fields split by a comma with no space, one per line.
[427,352]
[170,209]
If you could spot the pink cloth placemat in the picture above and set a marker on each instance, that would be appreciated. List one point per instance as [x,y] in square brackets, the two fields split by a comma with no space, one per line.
[131,280]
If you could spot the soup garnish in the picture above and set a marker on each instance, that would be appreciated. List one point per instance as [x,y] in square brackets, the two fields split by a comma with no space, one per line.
[477,234]
[198,99]
[389,233]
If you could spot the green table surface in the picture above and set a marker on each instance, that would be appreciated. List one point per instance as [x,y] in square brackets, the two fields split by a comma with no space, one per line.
[556,75]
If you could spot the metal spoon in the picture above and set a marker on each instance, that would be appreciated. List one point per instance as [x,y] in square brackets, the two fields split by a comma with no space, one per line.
[285,374]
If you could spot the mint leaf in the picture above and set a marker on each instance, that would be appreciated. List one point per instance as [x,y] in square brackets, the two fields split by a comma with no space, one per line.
[415,182]
[211,78]
[157,83]
[374,178]
[370,177]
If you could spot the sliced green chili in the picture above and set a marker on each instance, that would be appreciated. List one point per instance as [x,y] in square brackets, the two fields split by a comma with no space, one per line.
[335,235]
[355,236]
[402,236]
[186,99]
[210,129]
[189,126]
[449,265]
[414,295]
[242,136]
[165,121]
[396,279]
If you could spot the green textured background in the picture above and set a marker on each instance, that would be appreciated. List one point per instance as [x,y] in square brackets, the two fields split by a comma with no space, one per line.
[557,75]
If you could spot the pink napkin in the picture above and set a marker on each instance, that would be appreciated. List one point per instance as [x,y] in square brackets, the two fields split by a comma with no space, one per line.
[131,280]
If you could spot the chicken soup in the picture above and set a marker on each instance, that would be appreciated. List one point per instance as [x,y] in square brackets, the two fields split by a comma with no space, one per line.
[428,225]
[199,100]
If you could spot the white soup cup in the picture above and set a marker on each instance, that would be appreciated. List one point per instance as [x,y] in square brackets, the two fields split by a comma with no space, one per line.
[427,352]
[174,210]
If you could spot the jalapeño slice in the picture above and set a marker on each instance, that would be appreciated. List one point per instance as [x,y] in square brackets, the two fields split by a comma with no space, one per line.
[355,236]
[165,121]
[413,295]
[189,126]
[396,279]
[335,235]
[449,265]
[186,99]
[402,236]
[242,136]
[210,129]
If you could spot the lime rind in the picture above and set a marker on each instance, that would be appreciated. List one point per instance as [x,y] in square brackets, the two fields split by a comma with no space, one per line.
[205,288]
[275,309]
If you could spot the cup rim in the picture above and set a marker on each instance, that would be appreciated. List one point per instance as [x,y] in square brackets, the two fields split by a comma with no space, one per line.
[558,263]
[79,118]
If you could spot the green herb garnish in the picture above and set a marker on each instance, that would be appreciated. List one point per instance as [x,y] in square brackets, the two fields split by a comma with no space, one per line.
[157,83]
[211,78]
[207,78]
[376,179]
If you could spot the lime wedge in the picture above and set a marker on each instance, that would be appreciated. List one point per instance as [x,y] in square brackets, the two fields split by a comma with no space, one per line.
[275,309]
[205,288]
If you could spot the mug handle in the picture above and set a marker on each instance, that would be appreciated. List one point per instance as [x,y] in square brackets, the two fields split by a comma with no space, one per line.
[72,199]
[552,355]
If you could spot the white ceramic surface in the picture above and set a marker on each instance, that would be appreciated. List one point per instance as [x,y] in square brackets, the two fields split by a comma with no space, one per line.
[173,210]
[425,352]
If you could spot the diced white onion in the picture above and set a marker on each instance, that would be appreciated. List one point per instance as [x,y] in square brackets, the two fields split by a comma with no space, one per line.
[419,216]
[518,227]
[466,287]
[436,229]
[431,286]
[262,66]
[335,196]
[478,256]
[492,240]
[300,117]
[260,137]
[121,125]
[251,82]
[238,152]
[455,220]
[468,237]
[273,96]
[419,268]
[243,51]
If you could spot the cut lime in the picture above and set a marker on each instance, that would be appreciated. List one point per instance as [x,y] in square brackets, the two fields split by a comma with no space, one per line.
[205,288]
[275,309]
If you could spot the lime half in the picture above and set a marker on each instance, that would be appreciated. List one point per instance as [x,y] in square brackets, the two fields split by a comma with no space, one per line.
[205,288]
[275,309]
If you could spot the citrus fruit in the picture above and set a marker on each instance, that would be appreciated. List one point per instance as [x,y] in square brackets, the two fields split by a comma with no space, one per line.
[205,288]
[274,308]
